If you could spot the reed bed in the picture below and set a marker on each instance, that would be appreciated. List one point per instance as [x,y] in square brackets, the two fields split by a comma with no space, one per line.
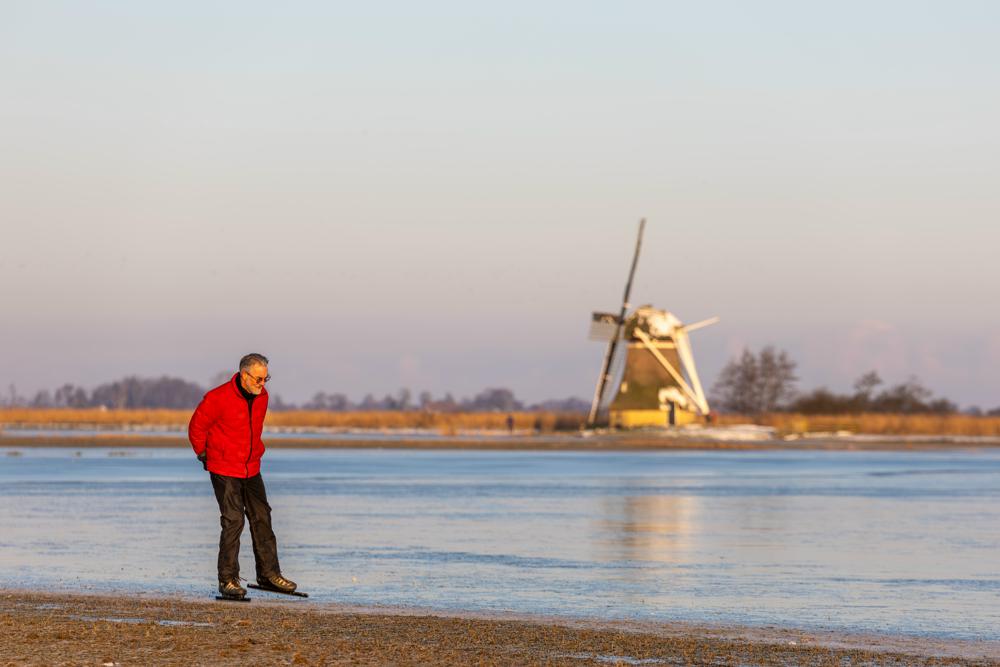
[874,423]
[444,422]
[11,417]
[449,423]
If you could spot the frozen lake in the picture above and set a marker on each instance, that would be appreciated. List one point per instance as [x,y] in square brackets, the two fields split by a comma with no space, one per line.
[893,542]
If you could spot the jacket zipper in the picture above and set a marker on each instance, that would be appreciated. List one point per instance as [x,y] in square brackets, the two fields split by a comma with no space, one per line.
[246,465]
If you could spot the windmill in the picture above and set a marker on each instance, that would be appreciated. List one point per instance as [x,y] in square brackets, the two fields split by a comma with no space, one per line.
[657,382]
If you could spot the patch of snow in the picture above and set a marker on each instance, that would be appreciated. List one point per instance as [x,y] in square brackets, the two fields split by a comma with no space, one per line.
[733,433]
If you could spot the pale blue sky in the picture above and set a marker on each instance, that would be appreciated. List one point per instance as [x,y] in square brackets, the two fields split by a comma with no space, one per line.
[435,195]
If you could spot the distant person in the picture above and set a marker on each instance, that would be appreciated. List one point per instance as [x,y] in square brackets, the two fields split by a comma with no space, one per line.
[510,424]
[225,434]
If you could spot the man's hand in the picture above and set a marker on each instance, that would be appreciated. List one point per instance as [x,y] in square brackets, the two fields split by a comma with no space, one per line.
[203,457]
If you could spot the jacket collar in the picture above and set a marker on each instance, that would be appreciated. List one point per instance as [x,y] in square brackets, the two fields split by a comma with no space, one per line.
[233,383]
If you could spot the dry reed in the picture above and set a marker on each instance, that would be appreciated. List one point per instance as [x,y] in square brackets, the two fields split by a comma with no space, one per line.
[444,422]
[875,423]
[452,422]
[92,417]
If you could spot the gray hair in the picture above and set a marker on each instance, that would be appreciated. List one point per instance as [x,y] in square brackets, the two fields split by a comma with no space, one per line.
[251,360]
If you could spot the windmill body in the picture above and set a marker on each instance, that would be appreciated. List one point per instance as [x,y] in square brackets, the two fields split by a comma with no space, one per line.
[657,383]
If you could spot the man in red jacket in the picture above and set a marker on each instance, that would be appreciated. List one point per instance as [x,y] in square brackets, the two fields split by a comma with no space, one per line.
[225,434]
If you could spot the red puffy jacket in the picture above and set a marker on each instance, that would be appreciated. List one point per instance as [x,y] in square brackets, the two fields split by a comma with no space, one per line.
[229,430]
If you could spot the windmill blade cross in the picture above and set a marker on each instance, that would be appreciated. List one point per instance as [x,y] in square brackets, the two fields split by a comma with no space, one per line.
[698,325]
[602,379]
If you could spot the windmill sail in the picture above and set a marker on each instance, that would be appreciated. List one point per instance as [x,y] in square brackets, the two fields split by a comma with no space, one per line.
[603,326]
[616,372]
[602,379]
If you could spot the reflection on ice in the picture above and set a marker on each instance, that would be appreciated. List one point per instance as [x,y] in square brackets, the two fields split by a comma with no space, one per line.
[649,528]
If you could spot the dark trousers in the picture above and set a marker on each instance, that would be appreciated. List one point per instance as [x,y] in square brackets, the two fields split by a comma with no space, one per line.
[238,496]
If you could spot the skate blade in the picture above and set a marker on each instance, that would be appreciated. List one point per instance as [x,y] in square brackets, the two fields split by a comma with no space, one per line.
[232,598]
[258,587]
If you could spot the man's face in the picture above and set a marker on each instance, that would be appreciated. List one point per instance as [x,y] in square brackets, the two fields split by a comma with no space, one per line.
[253,378]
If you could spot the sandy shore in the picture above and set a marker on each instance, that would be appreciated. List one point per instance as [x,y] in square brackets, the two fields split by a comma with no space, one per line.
[627,442]
[74,629]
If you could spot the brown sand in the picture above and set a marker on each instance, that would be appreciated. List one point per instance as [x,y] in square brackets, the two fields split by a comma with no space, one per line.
[73,629]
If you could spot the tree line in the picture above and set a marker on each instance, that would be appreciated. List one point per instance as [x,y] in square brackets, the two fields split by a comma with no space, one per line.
[755,384]
[490,399]
[174,393]
[750,384]
[127,393]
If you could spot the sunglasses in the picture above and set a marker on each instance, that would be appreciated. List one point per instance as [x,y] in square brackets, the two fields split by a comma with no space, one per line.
[257,379]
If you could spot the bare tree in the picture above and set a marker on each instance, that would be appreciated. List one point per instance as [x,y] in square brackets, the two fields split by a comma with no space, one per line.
[496,398]
[910,397]
[403,397]
[864,387]
[756,384]
[323,401]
